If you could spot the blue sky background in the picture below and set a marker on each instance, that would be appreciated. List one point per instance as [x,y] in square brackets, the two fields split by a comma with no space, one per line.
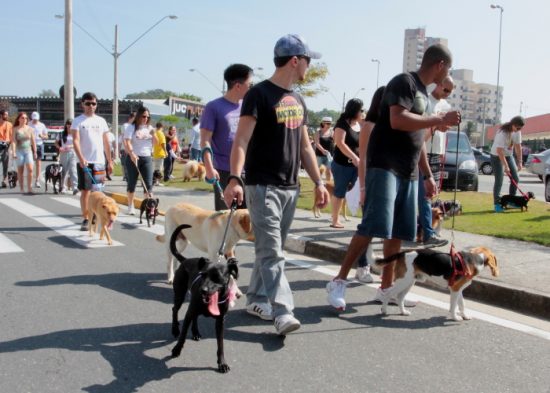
[211,34]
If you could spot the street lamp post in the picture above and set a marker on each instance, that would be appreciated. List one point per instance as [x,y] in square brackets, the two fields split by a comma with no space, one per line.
[207,79]
[358,90]
[377,70]
[68,93]
[496,6]
[116,54]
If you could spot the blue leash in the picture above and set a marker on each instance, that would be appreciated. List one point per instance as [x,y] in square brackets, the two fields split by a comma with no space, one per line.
[215,182]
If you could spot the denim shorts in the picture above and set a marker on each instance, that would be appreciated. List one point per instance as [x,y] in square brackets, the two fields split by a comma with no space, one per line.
[24,157]
[323,160]
[390,208]
[344,178]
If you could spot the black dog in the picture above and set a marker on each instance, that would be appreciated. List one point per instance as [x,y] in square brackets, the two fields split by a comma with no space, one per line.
[517,200]
[12,179]
[150,207]
[53,174]
[157,177]
[209,285]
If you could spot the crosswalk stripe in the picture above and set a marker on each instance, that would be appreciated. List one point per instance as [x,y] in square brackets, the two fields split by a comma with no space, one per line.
[122,217]
[8,246]
[59,224]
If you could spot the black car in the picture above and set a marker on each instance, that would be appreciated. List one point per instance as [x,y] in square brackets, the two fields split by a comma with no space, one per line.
[467,166]
[50,150]
[483,161]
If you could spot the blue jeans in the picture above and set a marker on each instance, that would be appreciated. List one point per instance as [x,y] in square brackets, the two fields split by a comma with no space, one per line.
[271,212]
[424,211]
[498,172]
[196,154]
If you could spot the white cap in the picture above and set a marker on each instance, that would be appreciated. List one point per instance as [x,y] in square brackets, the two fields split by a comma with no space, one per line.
[326,119]
[35,116]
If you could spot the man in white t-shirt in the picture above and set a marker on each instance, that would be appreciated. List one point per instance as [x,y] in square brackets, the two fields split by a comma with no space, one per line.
[91,145]
[435,150]
[40,133]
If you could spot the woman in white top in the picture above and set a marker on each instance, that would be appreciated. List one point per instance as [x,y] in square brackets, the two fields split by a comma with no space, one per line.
[67,157]
[139,138]
[24,149]
[502,159]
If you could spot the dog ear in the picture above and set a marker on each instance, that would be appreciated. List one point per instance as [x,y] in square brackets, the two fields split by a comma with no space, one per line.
[203,262]
[245,223]
[157,201]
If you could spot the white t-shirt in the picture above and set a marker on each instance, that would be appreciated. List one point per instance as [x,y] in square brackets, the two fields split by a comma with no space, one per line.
[506,140]
[91,130]
[39,128]
[141,140]
[436,144]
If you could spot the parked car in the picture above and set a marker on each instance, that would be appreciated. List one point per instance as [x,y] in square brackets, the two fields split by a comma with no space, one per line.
[50,150]
[547,182]
[483,161]
[467,166]
[535,163]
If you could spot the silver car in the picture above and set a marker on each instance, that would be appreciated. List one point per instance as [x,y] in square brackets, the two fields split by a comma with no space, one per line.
[535,163]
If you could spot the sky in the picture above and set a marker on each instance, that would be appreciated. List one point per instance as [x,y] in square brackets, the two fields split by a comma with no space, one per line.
[209,35]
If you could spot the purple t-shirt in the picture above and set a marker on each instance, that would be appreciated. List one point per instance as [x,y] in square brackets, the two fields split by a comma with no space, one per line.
[221,117]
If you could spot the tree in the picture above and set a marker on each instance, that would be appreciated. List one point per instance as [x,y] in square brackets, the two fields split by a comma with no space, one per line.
[471,127]
[314,118]
[162,94]
[47,93]
[309,87]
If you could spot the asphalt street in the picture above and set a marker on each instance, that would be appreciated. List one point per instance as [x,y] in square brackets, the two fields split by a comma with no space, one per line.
[78,315]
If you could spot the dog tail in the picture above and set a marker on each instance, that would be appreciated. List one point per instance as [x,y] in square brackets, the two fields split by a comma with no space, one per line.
[174,238]
[387,260]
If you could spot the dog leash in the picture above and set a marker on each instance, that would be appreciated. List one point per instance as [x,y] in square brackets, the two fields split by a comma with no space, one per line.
[515,183]
[455,188]
[214,181]
[141,179]
[231,211]
[89,172]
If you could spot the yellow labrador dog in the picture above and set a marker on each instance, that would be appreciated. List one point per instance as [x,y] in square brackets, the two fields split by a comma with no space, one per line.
[206,232]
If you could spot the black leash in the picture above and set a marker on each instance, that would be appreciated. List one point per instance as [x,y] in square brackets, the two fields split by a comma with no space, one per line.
[231,211]
[141,179]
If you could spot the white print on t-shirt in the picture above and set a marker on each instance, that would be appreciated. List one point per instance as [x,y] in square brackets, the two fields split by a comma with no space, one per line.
[91,130]
[232,119]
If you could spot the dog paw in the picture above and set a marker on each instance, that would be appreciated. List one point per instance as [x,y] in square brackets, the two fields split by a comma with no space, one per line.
[176,351]
[384,311]
[196,336]
[223,368]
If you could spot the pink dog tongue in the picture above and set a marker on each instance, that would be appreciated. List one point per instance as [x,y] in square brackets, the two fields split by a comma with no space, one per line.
[213,304]
[110,226]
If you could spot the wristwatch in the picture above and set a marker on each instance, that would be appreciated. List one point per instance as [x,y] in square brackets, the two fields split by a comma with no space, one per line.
[319,183]
[427,177]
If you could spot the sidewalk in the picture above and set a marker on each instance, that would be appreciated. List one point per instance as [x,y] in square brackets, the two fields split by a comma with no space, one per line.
[523,284]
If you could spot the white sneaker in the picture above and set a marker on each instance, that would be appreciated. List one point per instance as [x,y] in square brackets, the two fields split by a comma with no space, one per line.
[37,184]
[362,274]
[381,293]
[285,324]
[260,310]
[336,294]
[131,211]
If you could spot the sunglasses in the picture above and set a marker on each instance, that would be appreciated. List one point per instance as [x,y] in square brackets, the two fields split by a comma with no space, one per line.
[308,59]
[90,103]
[145,117]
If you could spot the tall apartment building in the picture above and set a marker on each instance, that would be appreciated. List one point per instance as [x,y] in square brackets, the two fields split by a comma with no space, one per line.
[416,44]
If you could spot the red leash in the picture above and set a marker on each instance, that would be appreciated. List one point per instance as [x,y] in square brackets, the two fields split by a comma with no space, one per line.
[519,189]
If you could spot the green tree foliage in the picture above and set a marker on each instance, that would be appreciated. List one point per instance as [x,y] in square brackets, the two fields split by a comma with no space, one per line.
[471,127]
[162,94]
[314,118]
[47,93]
[310,86]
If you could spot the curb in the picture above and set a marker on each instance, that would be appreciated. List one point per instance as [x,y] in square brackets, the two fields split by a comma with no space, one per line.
[491,292]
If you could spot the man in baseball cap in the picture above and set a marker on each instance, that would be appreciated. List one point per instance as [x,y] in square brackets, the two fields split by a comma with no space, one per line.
[294,45]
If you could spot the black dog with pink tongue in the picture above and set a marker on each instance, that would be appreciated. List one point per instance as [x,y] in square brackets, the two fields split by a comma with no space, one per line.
[209,284]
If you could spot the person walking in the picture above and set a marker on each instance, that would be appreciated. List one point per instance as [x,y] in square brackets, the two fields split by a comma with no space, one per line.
[435,150]
[159,150]
[219,122]
[507,138]
[40,133]
[67,157]
[270,144]
[139,138]
[395,150]
[121,144]
[91,145]
[324,145]
[346,156]
[6,131]
[195,140]
[23,149]
[173,150]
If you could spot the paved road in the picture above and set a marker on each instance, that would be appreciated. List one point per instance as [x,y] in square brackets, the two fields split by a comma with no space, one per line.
[79,316]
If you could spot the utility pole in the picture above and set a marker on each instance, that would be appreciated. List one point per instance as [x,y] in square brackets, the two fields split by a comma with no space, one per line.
[114,121]
[68,94]
[483,129]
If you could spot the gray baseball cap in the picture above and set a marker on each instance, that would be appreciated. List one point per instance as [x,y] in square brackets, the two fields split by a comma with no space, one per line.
[294,45]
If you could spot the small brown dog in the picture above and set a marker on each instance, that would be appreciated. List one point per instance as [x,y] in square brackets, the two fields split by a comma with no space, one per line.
[105,211]
[330,188]
[193,169]
[437,220]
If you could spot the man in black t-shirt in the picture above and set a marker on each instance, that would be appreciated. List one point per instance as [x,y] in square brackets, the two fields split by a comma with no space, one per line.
[396,149]
[270,143]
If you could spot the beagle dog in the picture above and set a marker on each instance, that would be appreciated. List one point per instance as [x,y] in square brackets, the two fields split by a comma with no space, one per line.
[454,272]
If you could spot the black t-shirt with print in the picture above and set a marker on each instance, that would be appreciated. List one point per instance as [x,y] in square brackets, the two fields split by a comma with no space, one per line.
[396,150]
[273,153]
[351,139]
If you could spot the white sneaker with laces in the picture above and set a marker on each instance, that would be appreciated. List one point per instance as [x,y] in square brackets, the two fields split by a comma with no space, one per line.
[285,324]
[260,310]
[336,294]
[131,211]
[381,293]
[362,274]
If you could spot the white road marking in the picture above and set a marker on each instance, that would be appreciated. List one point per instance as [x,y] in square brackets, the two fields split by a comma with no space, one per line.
[121,218]
[435,303]
[8,246]
[59,224]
